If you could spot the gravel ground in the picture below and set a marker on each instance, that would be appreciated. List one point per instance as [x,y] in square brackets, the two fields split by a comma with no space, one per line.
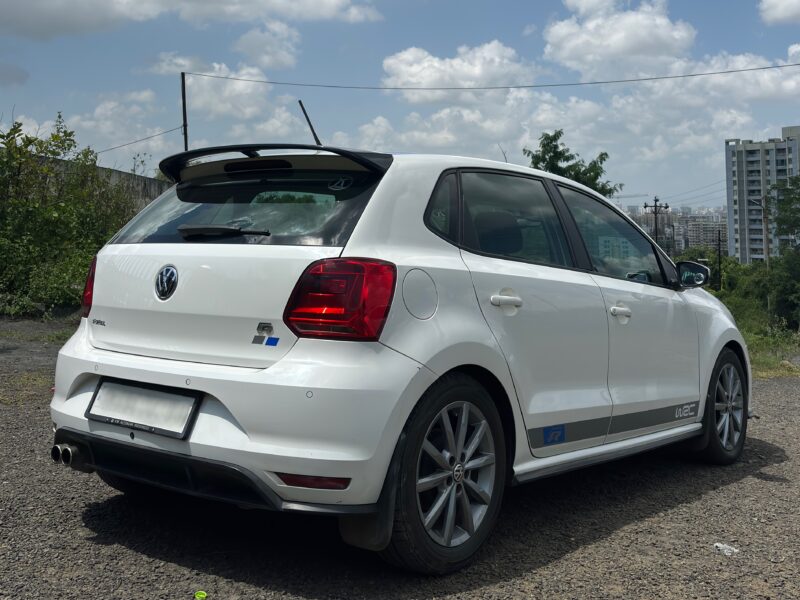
[644,527]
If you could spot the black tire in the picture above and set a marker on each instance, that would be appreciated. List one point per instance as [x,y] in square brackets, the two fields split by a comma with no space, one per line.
[715,452]
[412,547]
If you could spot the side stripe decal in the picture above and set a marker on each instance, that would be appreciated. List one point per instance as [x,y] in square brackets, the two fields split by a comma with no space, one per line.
[592,428]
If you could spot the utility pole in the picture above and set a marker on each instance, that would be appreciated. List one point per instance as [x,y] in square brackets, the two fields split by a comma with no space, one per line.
[657,210]
[183,103]
[719,260]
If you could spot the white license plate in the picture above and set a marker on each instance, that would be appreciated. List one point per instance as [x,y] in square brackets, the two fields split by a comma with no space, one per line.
[143,407]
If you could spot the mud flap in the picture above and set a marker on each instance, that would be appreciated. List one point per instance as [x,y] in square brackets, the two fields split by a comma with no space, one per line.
[374,531]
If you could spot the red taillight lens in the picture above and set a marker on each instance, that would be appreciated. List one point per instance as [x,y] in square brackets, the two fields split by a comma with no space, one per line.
[342,298]
[314,481]
[88,290]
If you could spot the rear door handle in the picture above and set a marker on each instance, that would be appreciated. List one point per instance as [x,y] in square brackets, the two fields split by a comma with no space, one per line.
[620,311]
[503,300]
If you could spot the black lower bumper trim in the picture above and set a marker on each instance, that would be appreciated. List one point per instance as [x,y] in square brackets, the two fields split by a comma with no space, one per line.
[203,477]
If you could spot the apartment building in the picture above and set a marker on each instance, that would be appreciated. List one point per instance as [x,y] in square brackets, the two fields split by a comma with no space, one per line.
[751,169]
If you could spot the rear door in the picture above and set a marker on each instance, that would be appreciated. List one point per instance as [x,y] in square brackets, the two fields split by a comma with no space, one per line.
[232,246]
[653,373]
[548,317]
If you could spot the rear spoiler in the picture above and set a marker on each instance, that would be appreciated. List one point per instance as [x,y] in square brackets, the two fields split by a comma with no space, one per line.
[173,165]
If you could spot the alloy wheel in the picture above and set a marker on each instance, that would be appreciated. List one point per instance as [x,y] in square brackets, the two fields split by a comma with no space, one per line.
[455,474]
[729,407]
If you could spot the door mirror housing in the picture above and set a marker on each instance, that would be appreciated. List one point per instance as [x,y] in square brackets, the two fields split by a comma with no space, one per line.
[692,274]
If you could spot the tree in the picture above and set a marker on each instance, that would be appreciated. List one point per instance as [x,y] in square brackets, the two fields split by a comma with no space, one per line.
[554,157]
[787,205]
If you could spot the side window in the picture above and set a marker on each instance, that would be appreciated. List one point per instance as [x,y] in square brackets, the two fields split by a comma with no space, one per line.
[616,247]
[442,213]
[512,217]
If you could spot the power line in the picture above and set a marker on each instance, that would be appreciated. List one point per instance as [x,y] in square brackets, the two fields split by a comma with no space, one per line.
[491,87]
[702,187]
[149,137]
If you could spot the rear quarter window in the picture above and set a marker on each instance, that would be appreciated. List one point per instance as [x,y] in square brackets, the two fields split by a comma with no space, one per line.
[306,208]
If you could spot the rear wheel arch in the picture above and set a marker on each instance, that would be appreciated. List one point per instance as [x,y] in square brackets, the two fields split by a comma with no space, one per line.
[497,392]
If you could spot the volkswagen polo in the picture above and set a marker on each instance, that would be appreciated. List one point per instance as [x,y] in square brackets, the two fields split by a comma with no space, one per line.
[391,340]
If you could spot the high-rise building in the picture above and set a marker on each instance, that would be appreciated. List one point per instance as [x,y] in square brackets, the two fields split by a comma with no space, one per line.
[751,169]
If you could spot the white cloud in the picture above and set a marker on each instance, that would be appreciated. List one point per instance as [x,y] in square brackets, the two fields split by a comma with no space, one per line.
[171,63]
[281,125]
[273,47]
[46,19]
[529,29]
[210,98]
[142,96]
[774,12]
[602,41]
[489,64]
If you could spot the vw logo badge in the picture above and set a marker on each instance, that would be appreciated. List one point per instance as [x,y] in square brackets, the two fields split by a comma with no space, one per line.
[166,282]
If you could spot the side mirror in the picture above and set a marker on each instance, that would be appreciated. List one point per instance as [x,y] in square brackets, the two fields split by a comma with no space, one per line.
[692,274]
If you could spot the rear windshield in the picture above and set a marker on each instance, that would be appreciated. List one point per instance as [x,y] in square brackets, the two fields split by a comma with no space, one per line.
[297,208]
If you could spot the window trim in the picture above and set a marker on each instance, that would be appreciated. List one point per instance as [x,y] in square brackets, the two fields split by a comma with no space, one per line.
[454,203]
[657,251]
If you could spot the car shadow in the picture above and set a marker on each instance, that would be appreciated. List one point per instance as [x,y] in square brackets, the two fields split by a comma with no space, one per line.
[540,523]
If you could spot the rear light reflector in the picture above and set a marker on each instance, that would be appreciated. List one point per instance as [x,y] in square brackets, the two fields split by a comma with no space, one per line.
[342,298]
[88,290]
[315,482]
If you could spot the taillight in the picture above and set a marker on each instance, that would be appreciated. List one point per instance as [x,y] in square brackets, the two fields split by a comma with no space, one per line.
[342,298]
[88,290]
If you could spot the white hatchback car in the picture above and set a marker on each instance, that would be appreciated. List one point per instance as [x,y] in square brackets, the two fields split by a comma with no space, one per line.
[390,339]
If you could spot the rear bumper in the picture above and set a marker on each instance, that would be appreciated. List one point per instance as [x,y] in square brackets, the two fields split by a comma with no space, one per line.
[327,408]
[202,477]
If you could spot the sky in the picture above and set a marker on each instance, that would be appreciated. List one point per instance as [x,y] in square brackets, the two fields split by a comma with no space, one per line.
[111,67]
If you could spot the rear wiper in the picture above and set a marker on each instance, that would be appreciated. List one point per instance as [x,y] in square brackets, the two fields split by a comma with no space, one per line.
[217,230]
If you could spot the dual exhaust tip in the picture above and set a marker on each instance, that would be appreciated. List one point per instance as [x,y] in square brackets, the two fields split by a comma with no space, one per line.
[64,454]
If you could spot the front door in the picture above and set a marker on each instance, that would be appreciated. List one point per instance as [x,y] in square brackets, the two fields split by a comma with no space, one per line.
[653,372]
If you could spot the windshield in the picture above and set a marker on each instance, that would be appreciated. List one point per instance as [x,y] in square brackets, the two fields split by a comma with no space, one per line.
[305,208]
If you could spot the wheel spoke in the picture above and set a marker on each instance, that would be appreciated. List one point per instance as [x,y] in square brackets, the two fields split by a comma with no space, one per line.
[720,406]
[723,421]
[738,402]
[737,388]
[731,375]
[431,481]
[448,431]
[721,390]
[477,491]
[725,431]
[436,510]
[737,420]
[450,516]
[435,454]
[466,513]
[731,432]
[484,460]
[461,431]
[475,440]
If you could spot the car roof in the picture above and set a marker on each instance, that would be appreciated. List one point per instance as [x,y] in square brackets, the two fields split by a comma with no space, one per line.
[446,161]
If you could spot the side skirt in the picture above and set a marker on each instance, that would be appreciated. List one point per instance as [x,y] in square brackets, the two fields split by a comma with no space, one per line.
[544,467]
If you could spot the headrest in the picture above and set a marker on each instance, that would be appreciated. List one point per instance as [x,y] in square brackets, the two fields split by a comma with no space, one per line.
[498,232]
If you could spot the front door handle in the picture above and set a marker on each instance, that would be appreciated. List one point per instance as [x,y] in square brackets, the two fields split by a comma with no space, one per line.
[503,300]
[620,311]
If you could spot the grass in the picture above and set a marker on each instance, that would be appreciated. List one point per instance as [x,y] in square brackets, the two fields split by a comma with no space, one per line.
[30,386]
[773,354]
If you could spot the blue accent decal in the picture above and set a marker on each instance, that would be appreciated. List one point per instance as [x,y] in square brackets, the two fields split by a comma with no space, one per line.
[555,434]
[271,341]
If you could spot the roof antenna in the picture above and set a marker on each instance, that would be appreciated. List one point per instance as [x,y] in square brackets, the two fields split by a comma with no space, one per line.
[505,158]
[310,126]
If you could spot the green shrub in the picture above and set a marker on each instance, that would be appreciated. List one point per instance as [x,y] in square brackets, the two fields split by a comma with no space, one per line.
[56,211]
